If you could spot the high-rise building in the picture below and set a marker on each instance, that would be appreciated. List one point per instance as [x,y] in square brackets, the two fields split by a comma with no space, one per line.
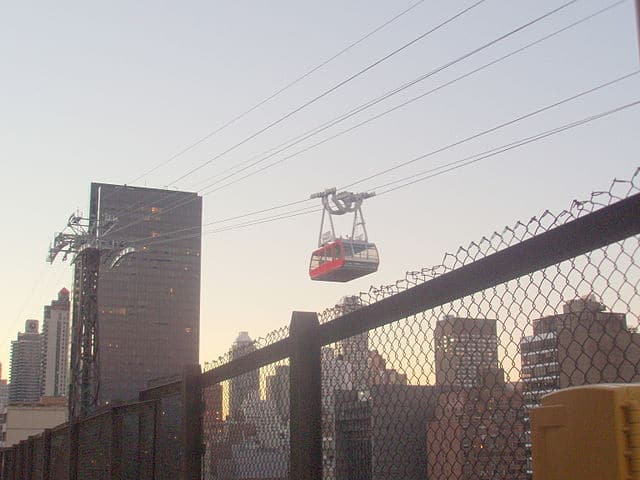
[348,371]
[148,302]
[379,374]
[237,451]
[354,349]
[278,391]
[242,386]
[26,365]
[213,426]
[55,353]
[584,344]
[337,374]
[253,442]
[381,434]
[465,348]
[477,432]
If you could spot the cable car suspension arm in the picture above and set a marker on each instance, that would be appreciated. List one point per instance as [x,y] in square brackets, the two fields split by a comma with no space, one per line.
[341,203]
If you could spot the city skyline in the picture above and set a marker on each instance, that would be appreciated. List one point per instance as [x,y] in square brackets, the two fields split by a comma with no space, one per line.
[189,167]
[471,422]
[492,194]
[583,341]
[349,349]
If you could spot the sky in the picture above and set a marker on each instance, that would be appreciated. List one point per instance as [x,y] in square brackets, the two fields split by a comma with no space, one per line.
[106,91]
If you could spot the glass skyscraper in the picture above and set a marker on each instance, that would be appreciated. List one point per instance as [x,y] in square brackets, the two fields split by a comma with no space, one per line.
[148,301]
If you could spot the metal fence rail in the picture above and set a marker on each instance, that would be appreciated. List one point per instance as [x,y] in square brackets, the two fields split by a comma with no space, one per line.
[432,377]
[141,440]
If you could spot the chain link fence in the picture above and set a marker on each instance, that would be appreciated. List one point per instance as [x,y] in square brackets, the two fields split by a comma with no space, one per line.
[446,393]
[431,377]
[246,425]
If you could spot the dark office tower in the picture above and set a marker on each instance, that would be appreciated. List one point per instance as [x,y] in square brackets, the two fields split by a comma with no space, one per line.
[382,434]
[240,387]
[55,350]
[26,365]
[465,348]
[148,301]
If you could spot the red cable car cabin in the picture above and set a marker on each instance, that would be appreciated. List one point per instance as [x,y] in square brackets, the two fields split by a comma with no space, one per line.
[343,260]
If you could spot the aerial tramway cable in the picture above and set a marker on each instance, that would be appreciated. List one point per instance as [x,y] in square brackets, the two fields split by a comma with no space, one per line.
[437,171]
[428,154]
[342,83]
[502,37]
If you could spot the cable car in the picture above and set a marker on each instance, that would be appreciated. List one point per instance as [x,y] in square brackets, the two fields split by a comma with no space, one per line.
[343,259]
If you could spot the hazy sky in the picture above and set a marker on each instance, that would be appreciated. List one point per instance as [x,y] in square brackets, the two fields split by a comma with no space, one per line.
[104,91]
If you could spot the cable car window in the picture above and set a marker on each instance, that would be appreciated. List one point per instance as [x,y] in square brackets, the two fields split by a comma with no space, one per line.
[360,251]
[337,252]
[359,248]
[316,260]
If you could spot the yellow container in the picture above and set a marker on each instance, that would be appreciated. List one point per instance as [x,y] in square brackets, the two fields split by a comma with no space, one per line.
[587,433]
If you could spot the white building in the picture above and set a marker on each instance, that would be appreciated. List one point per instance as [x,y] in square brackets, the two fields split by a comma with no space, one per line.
[22,420]
[55,366]
[26,365]
[242,386]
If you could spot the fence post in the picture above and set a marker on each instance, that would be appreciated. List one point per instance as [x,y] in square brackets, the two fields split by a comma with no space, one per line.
[13,463]
[29,457]
[10,464]
[115,447]
[46,454]
[305,391]
[16,462]
[157,421]
[4,464]
[22,448]
[74,431]
[191,430]
[15,471]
